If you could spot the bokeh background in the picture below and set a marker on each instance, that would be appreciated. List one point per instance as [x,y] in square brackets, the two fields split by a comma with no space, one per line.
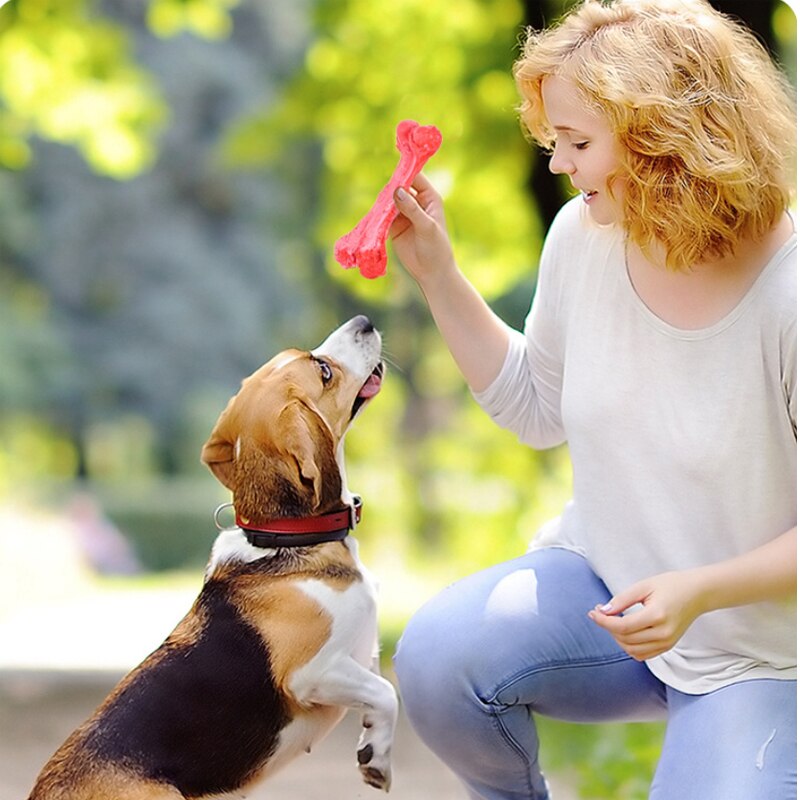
[173,175]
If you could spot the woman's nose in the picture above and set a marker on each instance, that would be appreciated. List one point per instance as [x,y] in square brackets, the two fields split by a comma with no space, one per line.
[559,163]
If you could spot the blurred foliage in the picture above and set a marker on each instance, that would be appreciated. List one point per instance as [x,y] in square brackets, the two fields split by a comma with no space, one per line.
[132,308]
[250,138]
[456,484]
[169,530]
[784,29]
[207,18]
[32,452]
[71,77]
[372,65]
[606,761]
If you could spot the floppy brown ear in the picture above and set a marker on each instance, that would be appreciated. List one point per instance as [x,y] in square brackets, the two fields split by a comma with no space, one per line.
[217,455]
[218,452]
[285,463]
[306,440]
[287,467]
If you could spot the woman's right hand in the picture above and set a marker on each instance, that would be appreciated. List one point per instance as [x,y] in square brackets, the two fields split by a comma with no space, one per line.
[419,233]
[477,338]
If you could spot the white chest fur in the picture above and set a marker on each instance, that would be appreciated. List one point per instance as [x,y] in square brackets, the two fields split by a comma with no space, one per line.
[231,545]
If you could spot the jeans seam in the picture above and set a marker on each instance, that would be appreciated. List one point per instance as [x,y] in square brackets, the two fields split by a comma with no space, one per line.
[491,705]
[491,698]
[513,746]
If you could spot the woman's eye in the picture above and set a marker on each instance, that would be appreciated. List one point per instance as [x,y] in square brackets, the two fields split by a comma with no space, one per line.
[581,145]
[325,371]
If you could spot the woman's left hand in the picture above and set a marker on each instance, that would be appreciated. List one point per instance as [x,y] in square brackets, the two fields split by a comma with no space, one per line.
[670,602]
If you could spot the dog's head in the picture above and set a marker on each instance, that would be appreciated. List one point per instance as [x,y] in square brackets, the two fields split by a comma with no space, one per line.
[277,445]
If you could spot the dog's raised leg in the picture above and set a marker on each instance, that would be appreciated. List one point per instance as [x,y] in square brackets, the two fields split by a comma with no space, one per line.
[344,682]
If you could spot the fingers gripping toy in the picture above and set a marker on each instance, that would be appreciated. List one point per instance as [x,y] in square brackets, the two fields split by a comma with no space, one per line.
[365,246]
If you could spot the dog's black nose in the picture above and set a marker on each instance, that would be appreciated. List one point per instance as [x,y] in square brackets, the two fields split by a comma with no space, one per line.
[363,324]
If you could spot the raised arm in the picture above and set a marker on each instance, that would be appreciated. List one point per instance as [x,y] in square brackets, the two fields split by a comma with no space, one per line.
[475,335]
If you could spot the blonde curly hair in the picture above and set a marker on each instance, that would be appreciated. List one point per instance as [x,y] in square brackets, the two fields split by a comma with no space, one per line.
[706,119]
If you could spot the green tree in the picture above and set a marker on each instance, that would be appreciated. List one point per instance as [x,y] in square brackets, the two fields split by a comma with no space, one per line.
[134,303]
[369,66]
[373,64]
[71,77]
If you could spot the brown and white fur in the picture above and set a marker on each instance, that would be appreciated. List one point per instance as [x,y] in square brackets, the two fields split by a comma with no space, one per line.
[280,642]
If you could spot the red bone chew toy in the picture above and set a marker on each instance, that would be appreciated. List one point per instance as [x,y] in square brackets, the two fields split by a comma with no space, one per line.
[365,246]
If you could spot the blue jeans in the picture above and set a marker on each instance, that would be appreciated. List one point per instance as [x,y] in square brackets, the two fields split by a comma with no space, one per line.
[514,640]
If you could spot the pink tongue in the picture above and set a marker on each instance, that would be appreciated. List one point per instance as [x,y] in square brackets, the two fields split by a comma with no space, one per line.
[371,387]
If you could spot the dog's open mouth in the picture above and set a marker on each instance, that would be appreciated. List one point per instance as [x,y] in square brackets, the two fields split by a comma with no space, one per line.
[371,387]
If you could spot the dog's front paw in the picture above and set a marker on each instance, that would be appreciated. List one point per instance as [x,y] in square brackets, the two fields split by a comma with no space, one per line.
[375,770]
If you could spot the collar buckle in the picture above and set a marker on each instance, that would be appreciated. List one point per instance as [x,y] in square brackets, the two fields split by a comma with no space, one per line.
[355,512]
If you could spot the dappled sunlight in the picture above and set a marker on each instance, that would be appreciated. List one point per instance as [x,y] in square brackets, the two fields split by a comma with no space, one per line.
[173,177]
[57,613]
[72,79]
[207,18]
[41,560]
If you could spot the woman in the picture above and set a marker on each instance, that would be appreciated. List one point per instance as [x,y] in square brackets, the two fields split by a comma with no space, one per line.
[661,345]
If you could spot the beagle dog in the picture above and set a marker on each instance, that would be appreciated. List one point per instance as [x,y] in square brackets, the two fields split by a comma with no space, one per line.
[283,637]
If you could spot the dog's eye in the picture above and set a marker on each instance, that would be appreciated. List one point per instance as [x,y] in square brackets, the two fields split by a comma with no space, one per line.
[325,371]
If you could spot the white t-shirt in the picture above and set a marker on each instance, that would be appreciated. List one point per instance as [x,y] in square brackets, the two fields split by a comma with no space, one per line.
[683,443]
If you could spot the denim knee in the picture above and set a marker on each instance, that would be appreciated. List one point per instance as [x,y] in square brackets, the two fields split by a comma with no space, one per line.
[427,668]
[438,663]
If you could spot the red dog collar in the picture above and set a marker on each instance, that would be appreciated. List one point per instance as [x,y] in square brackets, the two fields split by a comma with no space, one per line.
[302,531]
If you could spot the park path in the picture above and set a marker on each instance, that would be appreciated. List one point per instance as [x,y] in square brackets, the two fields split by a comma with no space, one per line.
[39,709]
[66,639]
